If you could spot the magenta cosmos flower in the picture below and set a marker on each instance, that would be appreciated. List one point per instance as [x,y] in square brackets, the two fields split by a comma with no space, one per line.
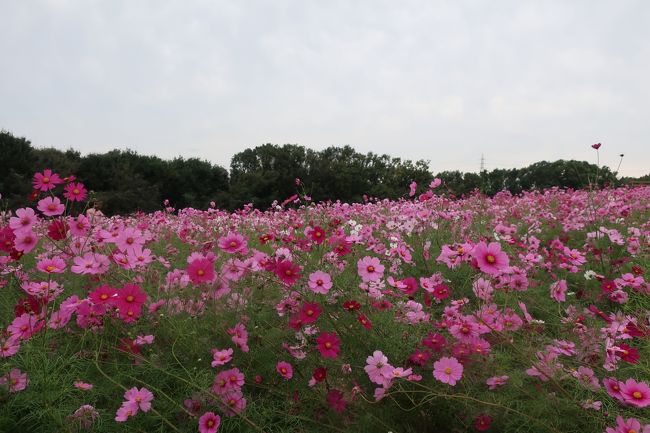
[448,370]
[635,393]
[233,243]
[50,206]
[46,181]
[288,272]
[75,192]
[209,423]
[200,271]
[328,345]
[489,258]
[370,269]
[285,369]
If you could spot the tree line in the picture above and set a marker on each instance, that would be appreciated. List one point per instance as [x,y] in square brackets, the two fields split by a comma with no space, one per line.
[123,181]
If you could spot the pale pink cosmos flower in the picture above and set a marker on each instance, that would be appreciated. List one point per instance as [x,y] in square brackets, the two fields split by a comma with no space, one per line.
[558,290]
[50,206]
[55,265]
[83,385]
[630,425]
[320,282]
[24,220]
[140,398]
[221,357]
[9,345]
[25,241]
[495,381]
[448,370]
[129,238]
[143,340]
[16,380]
[378,369]
[370,269]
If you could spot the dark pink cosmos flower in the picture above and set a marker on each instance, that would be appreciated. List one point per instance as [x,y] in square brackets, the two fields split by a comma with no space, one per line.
[46,181]
[285,369]
[489,258]
[309,312]
[596,145]
[201,271]
[328,344]
[336,401]
[316,234]
[483,422]
[288,272]
[209,423]
[75,192]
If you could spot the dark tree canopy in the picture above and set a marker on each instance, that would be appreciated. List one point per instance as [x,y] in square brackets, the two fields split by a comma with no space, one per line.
[125,181]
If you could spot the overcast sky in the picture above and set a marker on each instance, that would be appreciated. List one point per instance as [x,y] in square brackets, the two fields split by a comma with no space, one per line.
[446,81]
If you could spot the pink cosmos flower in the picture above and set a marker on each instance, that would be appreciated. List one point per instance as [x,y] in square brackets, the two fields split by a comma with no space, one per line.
[129,238]
[613,388]
[221,357]
[635,393]
[496,381]
[316,234]
[46,181]
[24,220]
[9,345]
[75,192]
[336,401]
[103,295]
[489,258]
[125,411]
[233,243]
[140,398]
[228,380]
[285,369]
[320,282]
[209,423]
[239,336]
[24,326]
[50,206]
[83,386]
[55,265]
[558,291]
[370,269]
[16,380]
[129,301]
[200,271]
[448,370]
[412,188]
[378,368]
[143,340]
[328,345]
[630,425]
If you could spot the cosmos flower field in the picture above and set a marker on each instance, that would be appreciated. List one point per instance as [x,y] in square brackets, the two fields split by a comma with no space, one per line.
[526,313]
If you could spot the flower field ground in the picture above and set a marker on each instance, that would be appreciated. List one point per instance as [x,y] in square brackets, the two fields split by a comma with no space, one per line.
[526,313]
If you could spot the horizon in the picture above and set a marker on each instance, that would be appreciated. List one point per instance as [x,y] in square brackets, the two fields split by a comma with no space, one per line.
[439,81]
